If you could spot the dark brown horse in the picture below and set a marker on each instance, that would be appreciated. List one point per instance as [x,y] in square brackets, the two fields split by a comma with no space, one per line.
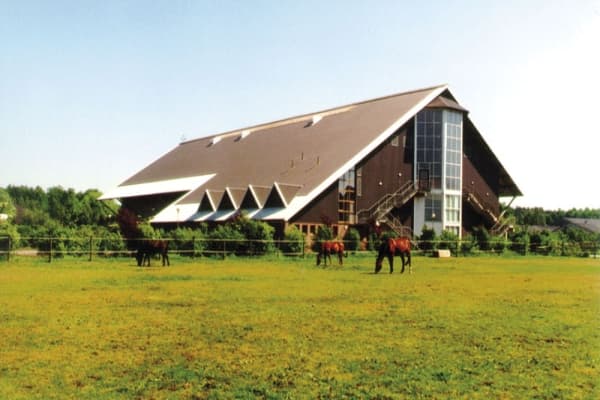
[328,247]
[393,247]
[149,248]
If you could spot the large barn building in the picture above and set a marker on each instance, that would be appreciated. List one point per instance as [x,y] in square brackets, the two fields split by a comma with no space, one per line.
[404,161]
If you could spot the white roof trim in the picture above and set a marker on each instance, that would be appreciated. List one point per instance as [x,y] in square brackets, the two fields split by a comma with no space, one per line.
[176,213]
[279,193]
[166,186]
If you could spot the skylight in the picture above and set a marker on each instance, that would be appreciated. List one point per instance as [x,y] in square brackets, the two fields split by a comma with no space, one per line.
[245,133]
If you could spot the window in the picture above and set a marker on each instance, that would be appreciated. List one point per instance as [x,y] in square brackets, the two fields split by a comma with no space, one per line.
[347,197]
[452,209]
[429,145]
[453,149]
[433,208]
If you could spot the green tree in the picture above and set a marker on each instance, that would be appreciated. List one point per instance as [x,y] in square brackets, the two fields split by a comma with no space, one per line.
[6,205]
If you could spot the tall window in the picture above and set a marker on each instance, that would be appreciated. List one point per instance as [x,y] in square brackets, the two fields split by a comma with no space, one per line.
[453,149]
[429,145]
[347,197]
[438,153]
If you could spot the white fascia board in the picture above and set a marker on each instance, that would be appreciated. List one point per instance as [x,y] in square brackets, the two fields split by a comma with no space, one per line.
[176,213]
[280,194]
[270,214]
[165,186]
[300,202]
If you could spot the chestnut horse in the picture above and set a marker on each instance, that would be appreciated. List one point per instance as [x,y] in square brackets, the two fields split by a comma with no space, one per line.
[328,247]
[393,247]
[148,248]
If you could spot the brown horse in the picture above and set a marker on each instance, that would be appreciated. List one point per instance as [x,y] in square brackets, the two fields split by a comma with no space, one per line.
[328,247]
[148,248]
[393,247]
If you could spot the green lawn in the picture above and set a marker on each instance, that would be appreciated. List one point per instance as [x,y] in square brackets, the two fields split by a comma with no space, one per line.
[473,328]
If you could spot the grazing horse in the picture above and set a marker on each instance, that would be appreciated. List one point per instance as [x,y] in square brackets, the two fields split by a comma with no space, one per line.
[390,248]
[148,248]
[328,247]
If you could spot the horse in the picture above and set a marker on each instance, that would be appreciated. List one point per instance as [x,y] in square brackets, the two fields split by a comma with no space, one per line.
[328,247]
[148,248]
[390,248]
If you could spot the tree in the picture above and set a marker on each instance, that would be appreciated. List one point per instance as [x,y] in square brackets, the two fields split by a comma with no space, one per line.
[6,205]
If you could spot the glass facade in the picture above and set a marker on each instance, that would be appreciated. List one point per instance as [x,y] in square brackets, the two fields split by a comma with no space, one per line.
[429,145]
[438,156]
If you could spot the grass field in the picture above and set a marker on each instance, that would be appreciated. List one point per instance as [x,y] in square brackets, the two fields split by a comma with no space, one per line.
[473,328]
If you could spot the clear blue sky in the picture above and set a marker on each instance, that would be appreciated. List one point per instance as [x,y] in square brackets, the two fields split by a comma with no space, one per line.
[93,91]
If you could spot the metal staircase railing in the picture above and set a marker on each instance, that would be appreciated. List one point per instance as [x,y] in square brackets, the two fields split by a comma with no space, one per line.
[499,225]
[388,202]
[380,211]
[396,225]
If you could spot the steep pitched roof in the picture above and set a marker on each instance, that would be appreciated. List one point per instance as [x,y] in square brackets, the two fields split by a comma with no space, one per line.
[295,158]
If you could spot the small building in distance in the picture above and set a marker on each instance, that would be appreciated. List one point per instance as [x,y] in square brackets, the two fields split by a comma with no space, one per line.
[402,162]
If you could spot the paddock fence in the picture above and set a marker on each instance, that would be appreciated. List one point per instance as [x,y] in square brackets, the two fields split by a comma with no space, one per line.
[95,247]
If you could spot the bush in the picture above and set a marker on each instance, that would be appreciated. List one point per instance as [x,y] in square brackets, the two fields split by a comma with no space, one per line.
[323,234]
[109,243]
[224,239]
[373,242]
[468,245]
[293,241]
[482,237]
[352,240]
[187,241]
[498,244]
[9,237]
[428,239]
[448,240]
[545,243]
[520,242]
[258,235]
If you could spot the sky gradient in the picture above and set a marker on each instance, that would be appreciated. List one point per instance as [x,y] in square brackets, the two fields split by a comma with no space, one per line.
[91,92]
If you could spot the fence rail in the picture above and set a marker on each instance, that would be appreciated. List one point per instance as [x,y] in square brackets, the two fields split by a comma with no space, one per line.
[91,247]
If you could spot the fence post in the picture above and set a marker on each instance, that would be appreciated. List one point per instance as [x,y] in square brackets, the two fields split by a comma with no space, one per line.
[91,247]
[224,248]
[8,246]
[50,252]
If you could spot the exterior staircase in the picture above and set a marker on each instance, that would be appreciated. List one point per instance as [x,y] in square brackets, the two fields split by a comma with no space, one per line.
[499,224]
[380,211]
